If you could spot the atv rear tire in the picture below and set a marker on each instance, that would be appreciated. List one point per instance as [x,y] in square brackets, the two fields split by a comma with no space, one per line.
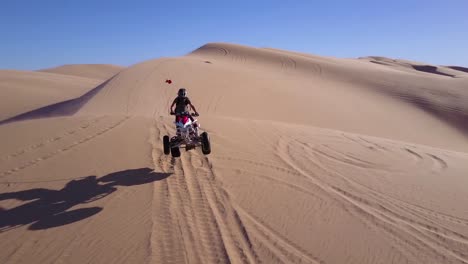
[167,145]
[206,145]
[175,151]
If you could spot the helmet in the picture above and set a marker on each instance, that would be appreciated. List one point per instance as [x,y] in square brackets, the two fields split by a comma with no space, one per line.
[182,92]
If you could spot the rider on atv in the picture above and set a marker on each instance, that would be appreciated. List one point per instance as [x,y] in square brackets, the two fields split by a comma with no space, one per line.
[182,103]
[187,136]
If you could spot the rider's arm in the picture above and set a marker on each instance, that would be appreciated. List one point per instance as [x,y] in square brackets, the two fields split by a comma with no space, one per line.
[193,107]
[172,106]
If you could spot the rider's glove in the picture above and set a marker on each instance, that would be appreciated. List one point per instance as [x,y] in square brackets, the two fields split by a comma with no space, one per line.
[196,114]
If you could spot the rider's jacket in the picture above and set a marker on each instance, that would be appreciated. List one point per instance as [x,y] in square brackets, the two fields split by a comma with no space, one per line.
[182,104]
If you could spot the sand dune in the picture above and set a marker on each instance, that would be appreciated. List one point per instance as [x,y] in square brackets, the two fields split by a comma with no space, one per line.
[315,160]
[93,71]
[23,91]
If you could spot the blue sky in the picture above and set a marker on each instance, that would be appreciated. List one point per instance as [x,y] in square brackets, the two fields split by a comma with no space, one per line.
[47,33]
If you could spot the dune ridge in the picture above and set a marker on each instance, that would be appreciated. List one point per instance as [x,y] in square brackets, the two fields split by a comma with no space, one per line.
[93,71]
[23,91]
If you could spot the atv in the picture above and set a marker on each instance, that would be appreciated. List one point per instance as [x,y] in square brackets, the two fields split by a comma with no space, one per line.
[186,136]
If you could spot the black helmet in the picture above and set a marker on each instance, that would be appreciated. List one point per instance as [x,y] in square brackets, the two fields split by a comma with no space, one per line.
[182,92]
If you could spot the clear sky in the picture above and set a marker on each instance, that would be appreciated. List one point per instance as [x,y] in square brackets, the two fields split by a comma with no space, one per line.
[37,34]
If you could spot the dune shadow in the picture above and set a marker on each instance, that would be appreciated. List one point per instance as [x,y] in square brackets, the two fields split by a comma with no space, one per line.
[65,108]
[455,117]
[458,68]
[430,69]
[47,208]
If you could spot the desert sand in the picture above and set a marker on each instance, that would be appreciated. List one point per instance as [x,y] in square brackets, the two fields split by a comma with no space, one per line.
[314,160]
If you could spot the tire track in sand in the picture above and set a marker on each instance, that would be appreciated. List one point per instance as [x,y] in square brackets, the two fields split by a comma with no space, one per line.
[380,213]
[34,147]
[438,163]
[196,221]
[193,218]
[164,244]
[61,149]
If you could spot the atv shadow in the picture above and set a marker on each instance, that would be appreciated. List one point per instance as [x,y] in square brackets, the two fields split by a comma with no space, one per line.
[50,208]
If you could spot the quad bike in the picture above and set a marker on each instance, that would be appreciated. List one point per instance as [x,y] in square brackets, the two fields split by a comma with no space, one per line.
[186,136]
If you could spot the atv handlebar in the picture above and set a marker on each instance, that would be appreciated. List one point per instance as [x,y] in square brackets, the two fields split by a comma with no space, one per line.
[185,113]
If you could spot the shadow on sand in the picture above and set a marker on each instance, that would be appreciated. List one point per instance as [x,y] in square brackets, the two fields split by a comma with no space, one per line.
[65,108]
[430,69]
[50,208]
